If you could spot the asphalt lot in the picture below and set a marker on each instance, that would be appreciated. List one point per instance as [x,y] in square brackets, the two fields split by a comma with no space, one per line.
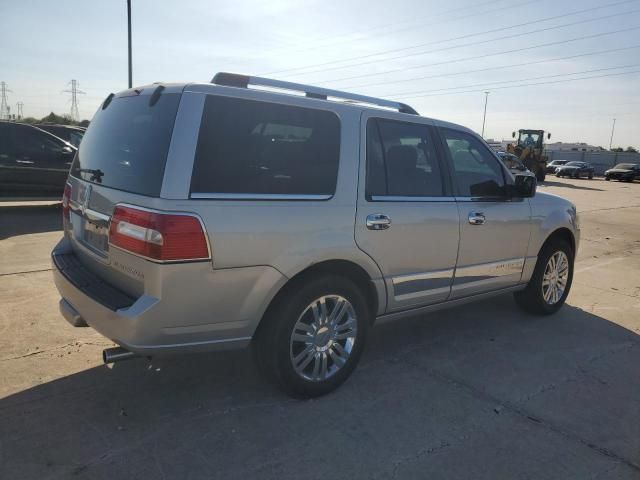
[481,391]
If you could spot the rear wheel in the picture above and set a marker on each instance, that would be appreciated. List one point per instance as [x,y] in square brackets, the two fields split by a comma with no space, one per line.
[590,176]
[312,339]
[551,280]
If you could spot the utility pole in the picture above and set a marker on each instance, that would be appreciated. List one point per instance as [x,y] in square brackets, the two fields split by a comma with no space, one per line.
[129,32]
[613,128]
[19,105]
[75,115]
[4,105]
[484,117]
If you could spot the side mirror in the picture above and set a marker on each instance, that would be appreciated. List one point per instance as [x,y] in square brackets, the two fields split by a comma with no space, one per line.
[513,134]
[524,186]
[548,136]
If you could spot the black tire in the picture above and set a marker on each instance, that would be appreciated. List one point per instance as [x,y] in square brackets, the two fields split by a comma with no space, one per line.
[531,298]
[591,176]
[608,179]
[272,342]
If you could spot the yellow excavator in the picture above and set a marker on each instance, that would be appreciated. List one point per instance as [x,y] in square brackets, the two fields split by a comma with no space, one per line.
[529,149]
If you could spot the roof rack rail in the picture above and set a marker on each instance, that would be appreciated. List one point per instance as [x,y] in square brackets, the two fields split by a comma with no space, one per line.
[243,81]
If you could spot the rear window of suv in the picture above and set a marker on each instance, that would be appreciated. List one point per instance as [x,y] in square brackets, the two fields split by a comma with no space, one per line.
[126,144]
[248,147]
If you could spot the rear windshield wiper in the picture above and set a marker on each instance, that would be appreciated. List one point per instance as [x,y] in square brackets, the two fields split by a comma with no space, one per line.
[96,174]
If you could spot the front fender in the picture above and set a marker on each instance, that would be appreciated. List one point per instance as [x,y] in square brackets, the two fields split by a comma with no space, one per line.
[550,213]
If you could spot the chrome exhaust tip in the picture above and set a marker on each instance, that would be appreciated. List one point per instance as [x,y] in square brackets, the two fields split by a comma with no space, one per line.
[116,354]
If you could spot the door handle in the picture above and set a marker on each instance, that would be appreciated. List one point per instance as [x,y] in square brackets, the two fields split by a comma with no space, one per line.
[476,218]
[378,221]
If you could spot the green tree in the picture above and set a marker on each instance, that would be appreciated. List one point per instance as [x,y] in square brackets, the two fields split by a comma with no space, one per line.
[631,150]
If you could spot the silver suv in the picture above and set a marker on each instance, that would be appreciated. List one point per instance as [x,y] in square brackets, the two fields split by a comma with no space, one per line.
[291,218]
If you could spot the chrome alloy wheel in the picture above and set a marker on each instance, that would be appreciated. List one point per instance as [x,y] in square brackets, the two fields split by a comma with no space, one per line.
[554,279]
[323,338]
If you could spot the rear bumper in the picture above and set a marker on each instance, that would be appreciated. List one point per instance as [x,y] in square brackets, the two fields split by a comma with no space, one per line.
[199,309]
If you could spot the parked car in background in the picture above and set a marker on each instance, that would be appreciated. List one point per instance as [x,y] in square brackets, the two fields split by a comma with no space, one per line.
[575,170]
[219,215]
[32,162]
[551,166]
[514,164]
[68,133]
[627,172]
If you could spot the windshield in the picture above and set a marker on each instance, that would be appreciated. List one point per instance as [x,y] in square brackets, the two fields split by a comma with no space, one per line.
[625,166]
[528,139]
[126,145]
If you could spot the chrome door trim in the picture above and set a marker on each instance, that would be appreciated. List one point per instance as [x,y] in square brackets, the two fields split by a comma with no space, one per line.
[400,198]
[416,285]
[483,271]
[447,304]
[258,196]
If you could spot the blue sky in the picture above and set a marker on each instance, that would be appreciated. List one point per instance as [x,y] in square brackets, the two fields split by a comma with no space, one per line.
[437,56]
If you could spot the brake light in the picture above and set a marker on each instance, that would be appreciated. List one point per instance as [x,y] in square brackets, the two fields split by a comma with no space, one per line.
[158,236]
[66,202]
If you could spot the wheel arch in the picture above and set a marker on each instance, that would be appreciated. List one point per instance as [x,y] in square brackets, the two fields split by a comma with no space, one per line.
[346,268]
[562,233]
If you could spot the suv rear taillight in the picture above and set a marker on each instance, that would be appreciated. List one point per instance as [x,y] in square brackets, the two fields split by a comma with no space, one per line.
[66,201]
[166,237]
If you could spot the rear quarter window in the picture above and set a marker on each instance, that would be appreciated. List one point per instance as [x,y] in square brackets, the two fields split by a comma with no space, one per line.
[253,147]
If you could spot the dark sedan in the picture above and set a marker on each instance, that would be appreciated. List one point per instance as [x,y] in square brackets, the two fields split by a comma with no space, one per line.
[68,133]
[575,170]
[32,162]
[627,172]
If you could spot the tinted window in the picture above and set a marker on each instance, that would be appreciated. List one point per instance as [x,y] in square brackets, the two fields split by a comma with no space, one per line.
[249,147]
[477,172]
[401,160]
[126,145]
[31,141]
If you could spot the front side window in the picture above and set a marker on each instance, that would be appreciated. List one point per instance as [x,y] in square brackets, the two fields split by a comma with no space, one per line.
[401,160]
[477,172]
[252,147]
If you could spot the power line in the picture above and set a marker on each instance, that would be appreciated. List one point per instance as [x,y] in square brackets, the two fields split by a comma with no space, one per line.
[495,68]
[476,57]
[470,44]
[75,115]
[402,94]
[524,24]
[524,85]
[4,104]
[395,24]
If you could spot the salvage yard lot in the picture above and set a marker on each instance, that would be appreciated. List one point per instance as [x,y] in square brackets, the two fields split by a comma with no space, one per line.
[481,391]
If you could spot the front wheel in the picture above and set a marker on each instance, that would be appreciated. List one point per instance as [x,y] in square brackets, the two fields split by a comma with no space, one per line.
[551,280]
[311,340]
